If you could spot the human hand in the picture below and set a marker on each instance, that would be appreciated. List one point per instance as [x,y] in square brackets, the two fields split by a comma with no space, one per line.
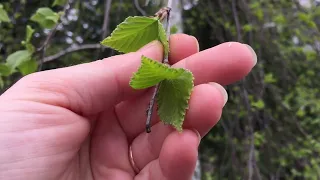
[79,122]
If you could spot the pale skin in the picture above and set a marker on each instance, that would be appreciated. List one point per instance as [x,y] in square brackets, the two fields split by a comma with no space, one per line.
[78,122]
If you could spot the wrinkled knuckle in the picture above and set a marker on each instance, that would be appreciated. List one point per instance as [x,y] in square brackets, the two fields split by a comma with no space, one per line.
[45,89]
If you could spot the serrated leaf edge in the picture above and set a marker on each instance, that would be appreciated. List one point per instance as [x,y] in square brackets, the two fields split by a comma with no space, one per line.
[145,60]
[163,39]
[185,105]
[112,33]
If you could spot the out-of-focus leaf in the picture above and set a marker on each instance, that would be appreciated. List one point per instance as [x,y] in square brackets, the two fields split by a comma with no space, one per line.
[46,17]
[3,15]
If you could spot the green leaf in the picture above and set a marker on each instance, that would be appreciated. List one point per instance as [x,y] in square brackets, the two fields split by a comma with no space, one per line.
[29,33]
[59,3]
[3,15]
[1,82]
[26,43]
[45,17]
[173,98]
[134,33]
[163,38]
[280,19]
[174,90]
[269,78]
[28,67]
[247,28]
[17,58]
[4,70]
[30,47]
[258,104]
[300,112]
[173,29]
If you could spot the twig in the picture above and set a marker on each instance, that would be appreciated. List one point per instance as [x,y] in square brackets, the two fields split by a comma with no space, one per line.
[236,19]
[150,108]
[146,3]
[166,59]
[137,5]
[49,37]
[70,50]
[104,28]
[120,3]
[251,153]
[169,5]
[164,12]
[250,131]
[106,19]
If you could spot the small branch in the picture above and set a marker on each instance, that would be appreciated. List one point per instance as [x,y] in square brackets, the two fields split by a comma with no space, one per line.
[49,37]
[146,3]
[236,19]
[169,5]
[150,108]
[164,12]
[117,19]
[106,18]
[137,5]
[166,61]
[105,25]
[251,154]
[70,50]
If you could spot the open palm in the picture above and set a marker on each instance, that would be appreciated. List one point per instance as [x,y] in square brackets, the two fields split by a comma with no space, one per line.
[79,122]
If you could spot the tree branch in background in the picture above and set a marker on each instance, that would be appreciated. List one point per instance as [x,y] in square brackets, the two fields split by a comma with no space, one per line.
[50,35]
[70,50]
[236,19]
[106,19]
[251,164]
[120,4]
[105,26]
[146,3]
[249,130]
[137,5]
[162,13]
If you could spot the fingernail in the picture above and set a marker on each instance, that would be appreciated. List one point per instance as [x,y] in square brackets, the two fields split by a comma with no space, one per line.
[254,55]
[222,91]
[198,134]
[147,46]
[196,42]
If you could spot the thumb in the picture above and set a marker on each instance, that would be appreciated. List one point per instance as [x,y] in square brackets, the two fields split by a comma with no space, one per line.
[87,88]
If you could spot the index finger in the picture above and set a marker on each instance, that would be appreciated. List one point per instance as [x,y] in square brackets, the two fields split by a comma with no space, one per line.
[94,87]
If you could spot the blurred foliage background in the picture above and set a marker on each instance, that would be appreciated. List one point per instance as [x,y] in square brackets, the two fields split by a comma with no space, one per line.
[269,128]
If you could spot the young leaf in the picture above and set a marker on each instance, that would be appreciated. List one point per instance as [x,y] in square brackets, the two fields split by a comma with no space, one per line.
[59,3]
[30,47]
[174,29]
[28,67]
[3,15]
[4,70]
[45,17]
[1,82]
[29,33]
[173,98]
[174,92]
[163,38]
[134,33]
[17,58]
